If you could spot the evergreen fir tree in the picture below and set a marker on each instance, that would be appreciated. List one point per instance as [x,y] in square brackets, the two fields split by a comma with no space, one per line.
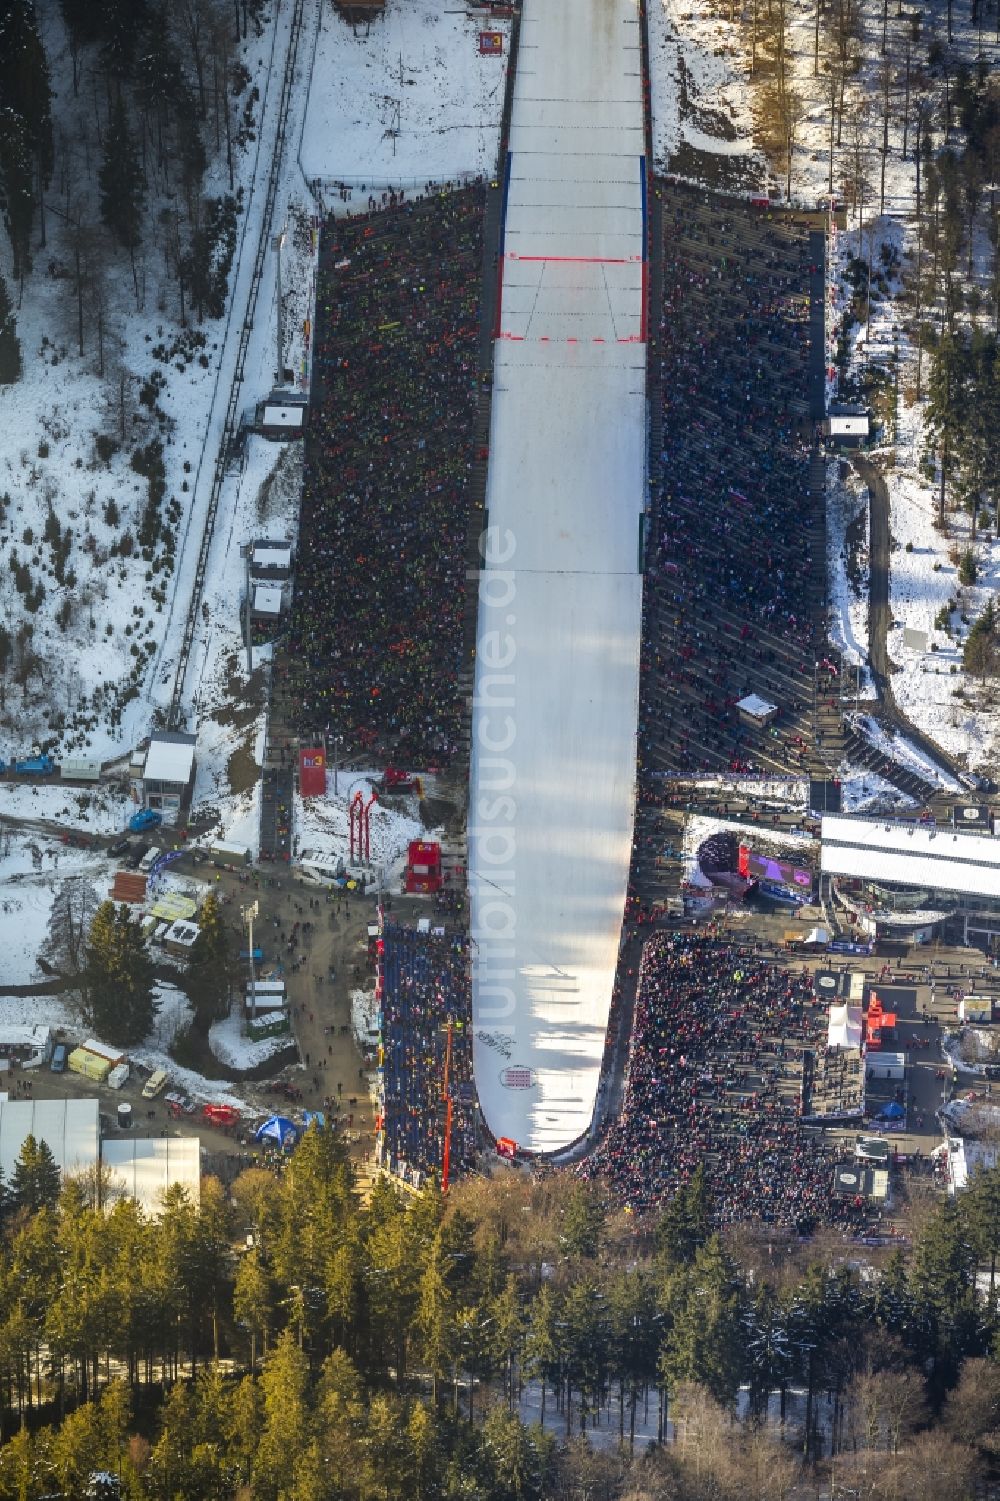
[37,1180]
[24,79]
[686,1222]
[122,189]
[16,186]
[10,347]
[210,965]
[541,1349]
[287,1421]
[122,25]
[979,654]
[583,1221]
[118,977]
[705,1343]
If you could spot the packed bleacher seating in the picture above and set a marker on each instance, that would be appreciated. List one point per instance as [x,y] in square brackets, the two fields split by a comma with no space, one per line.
[714,1078]
[425,984]
[733,594]
[730,590]
[376,638]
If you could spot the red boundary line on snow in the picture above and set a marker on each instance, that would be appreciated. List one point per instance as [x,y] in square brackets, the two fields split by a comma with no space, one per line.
[576,260]
[579,260]
[497,333]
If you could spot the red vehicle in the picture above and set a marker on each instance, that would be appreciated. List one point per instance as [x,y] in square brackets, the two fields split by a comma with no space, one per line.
[220,1115]
[395,780]
[878,1022]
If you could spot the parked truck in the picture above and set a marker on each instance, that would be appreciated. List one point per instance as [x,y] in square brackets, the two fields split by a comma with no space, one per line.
[975,1008]
[35,766]
[229,856]
[80,770]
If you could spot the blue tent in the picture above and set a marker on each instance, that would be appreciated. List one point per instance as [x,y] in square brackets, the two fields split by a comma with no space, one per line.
[891,1112]
[280,1129]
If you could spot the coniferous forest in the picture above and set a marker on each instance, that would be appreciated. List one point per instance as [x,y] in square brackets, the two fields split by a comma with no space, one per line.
[284,1341]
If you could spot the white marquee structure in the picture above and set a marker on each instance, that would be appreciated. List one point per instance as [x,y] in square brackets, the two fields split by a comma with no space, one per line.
[557,679]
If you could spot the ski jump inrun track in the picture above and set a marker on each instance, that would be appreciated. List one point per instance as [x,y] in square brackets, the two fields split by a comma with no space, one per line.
[552,793]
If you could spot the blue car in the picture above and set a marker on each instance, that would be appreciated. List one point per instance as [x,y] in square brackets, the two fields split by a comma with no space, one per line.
[146,818]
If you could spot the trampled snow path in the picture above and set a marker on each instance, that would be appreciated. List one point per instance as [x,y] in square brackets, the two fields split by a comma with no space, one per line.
[554,719]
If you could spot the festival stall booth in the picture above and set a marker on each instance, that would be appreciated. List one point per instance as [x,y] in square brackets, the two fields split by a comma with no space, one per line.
[278,1131]
[845,1028]
[756,710]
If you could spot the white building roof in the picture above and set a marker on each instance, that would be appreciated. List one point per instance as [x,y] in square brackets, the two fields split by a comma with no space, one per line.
[272,555]
[113,1055]
[911,854]
[757,707]
[25,1037]
[267,599]
[962,1156]
[169,760]
[291,417]
[143,1168]
[849,426]
[69,1128]
[182,932]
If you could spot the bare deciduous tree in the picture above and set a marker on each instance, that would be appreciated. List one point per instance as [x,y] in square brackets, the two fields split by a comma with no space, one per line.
[69,923]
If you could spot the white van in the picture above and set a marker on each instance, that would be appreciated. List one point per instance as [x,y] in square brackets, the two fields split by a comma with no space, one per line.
[154,1084]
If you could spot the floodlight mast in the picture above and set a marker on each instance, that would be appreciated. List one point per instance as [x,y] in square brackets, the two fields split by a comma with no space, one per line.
[250,912]
[446,1096]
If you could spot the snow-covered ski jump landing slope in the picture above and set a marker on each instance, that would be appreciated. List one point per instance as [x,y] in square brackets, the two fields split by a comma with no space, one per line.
[557,671]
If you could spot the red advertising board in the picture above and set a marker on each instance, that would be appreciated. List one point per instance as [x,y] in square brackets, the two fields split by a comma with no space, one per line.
[312,773]
[491,43]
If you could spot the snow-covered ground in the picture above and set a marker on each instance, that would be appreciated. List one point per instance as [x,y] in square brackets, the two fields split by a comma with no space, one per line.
[864,791]
[847,556]
[124,619]
[101,809]
[322,824]
[903,751]
[30,873]
[53,1011]
[929,600]
[232,1047]
[931,611]
[699,95]
[408,100]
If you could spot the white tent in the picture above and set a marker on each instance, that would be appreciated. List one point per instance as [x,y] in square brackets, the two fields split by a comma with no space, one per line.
[68,1127]
[844,1028]
[143,1168]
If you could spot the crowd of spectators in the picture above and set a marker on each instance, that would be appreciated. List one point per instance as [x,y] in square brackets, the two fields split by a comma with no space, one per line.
[376,638]
[714,1078]
[425,985]
[731,600]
